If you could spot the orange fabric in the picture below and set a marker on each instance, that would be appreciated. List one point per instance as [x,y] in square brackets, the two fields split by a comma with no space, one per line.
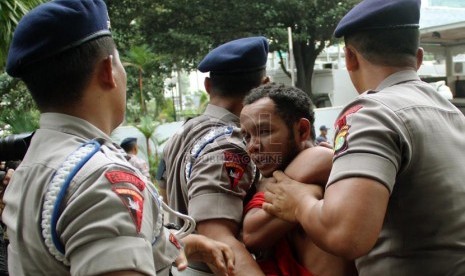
[282,262]
[256,202]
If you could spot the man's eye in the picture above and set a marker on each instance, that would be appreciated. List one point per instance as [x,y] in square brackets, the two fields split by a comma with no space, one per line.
[264,131]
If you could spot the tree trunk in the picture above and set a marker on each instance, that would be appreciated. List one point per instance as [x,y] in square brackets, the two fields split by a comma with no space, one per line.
[142,102]
[305,56]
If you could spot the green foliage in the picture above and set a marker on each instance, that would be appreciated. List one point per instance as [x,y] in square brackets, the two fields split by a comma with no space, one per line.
[168,113]
[312,24]
[18,113]
[197,103]
[181,32]
[147,127]
[11,12]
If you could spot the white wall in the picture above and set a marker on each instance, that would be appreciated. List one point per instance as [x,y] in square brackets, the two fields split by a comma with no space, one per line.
[327,116]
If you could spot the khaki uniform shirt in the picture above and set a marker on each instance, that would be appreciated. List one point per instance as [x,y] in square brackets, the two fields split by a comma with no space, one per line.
[207,169]
[108,219]
[409,138]
[139,164]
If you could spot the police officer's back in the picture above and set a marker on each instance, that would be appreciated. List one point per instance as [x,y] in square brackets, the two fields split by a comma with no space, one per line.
[74,205]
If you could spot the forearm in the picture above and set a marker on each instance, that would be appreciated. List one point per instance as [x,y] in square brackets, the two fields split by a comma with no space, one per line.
[347,222]
[262,230]
[226,231]
[245,265]
[329,235]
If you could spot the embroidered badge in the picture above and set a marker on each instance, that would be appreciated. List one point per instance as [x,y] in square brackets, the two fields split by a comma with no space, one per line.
[235,165]
[342,121]
[134,201]
[175,241]
[116,177]
[340,142]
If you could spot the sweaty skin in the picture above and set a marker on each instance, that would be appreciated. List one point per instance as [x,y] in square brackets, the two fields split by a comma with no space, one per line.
[311,165]
[274,143]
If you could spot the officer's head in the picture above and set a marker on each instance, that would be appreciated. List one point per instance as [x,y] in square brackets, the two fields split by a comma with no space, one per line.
[56,47]
[383,32]
[129,144]
[236,66]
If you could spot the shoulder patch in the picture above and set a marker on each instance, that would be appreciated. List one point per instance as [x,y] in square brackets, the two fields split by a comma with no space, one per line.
[340,142]
[134,201]
[116,177]
[342,130]
[342,121]
[235,165]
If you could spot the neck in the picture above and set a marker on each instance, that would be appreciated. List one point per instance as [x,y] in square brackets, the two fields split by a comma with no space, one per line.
[307,144]
[96,111]
[233,105]
[372,76]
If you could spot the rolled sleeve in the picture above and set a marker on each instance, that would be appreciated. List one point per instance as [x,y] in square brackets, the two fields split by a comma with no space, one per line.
[372,142]
[364,165]
[117,253]
[215,189]
[216,205]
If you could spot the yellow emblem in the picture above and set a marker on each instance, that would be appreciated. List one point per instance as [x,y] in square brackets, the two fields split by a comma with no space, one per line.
[340,142]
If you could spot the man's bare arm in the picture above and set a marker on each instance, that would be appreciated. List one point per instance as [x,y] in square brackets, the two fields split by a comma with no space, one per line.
[346,223]
[226,231]
[261,230]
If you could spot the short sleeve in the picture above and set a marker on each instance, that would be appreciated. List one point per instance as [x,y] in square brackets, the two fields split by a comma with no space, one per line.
[369,142]
[219,180]
[111,221]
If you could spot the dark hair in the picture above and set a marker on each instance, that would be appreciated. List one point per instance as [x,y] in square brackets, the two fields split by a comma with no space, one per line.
[393,47]
[236,85]
[129,146]
[291,102]
[59,80]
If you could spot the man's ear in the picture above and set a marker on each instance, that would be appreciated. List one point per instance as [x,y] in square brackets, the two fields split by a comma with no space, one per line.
[208,85]
[351,58]
[303,129]
[266,80]
[420,53]
[105,73]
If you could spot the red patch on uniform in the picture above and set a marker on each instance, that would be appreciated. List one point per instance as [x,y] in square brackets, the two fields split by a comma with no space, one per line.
[175,241]
[116,177]
[235,165]
[342,119]
[134,201]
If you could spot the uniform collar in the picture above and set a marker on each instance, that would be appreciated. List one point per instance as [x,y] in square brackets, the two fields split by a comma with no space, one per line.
[71,125]
[221,114]
[398,77]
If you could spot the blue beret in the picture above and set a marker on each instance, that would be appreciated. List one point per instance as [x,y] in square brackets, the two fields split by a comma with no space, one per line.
[380,14]
[237,56]
[128,141]
[54,27]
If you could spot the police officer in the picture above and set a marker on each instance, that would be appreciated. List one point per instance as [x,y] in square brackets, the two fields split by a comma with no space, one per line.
[207,169]
[75,205]
[129,144]
[322,137]
[394,198]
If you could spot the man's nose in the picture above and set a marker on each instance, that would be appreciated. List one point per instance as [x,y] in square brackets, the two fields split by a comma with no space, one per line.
[253,145]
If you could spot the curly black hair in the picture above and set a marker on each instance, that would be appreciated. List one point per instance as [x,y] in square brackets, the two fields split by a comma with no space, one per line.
[291,103]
